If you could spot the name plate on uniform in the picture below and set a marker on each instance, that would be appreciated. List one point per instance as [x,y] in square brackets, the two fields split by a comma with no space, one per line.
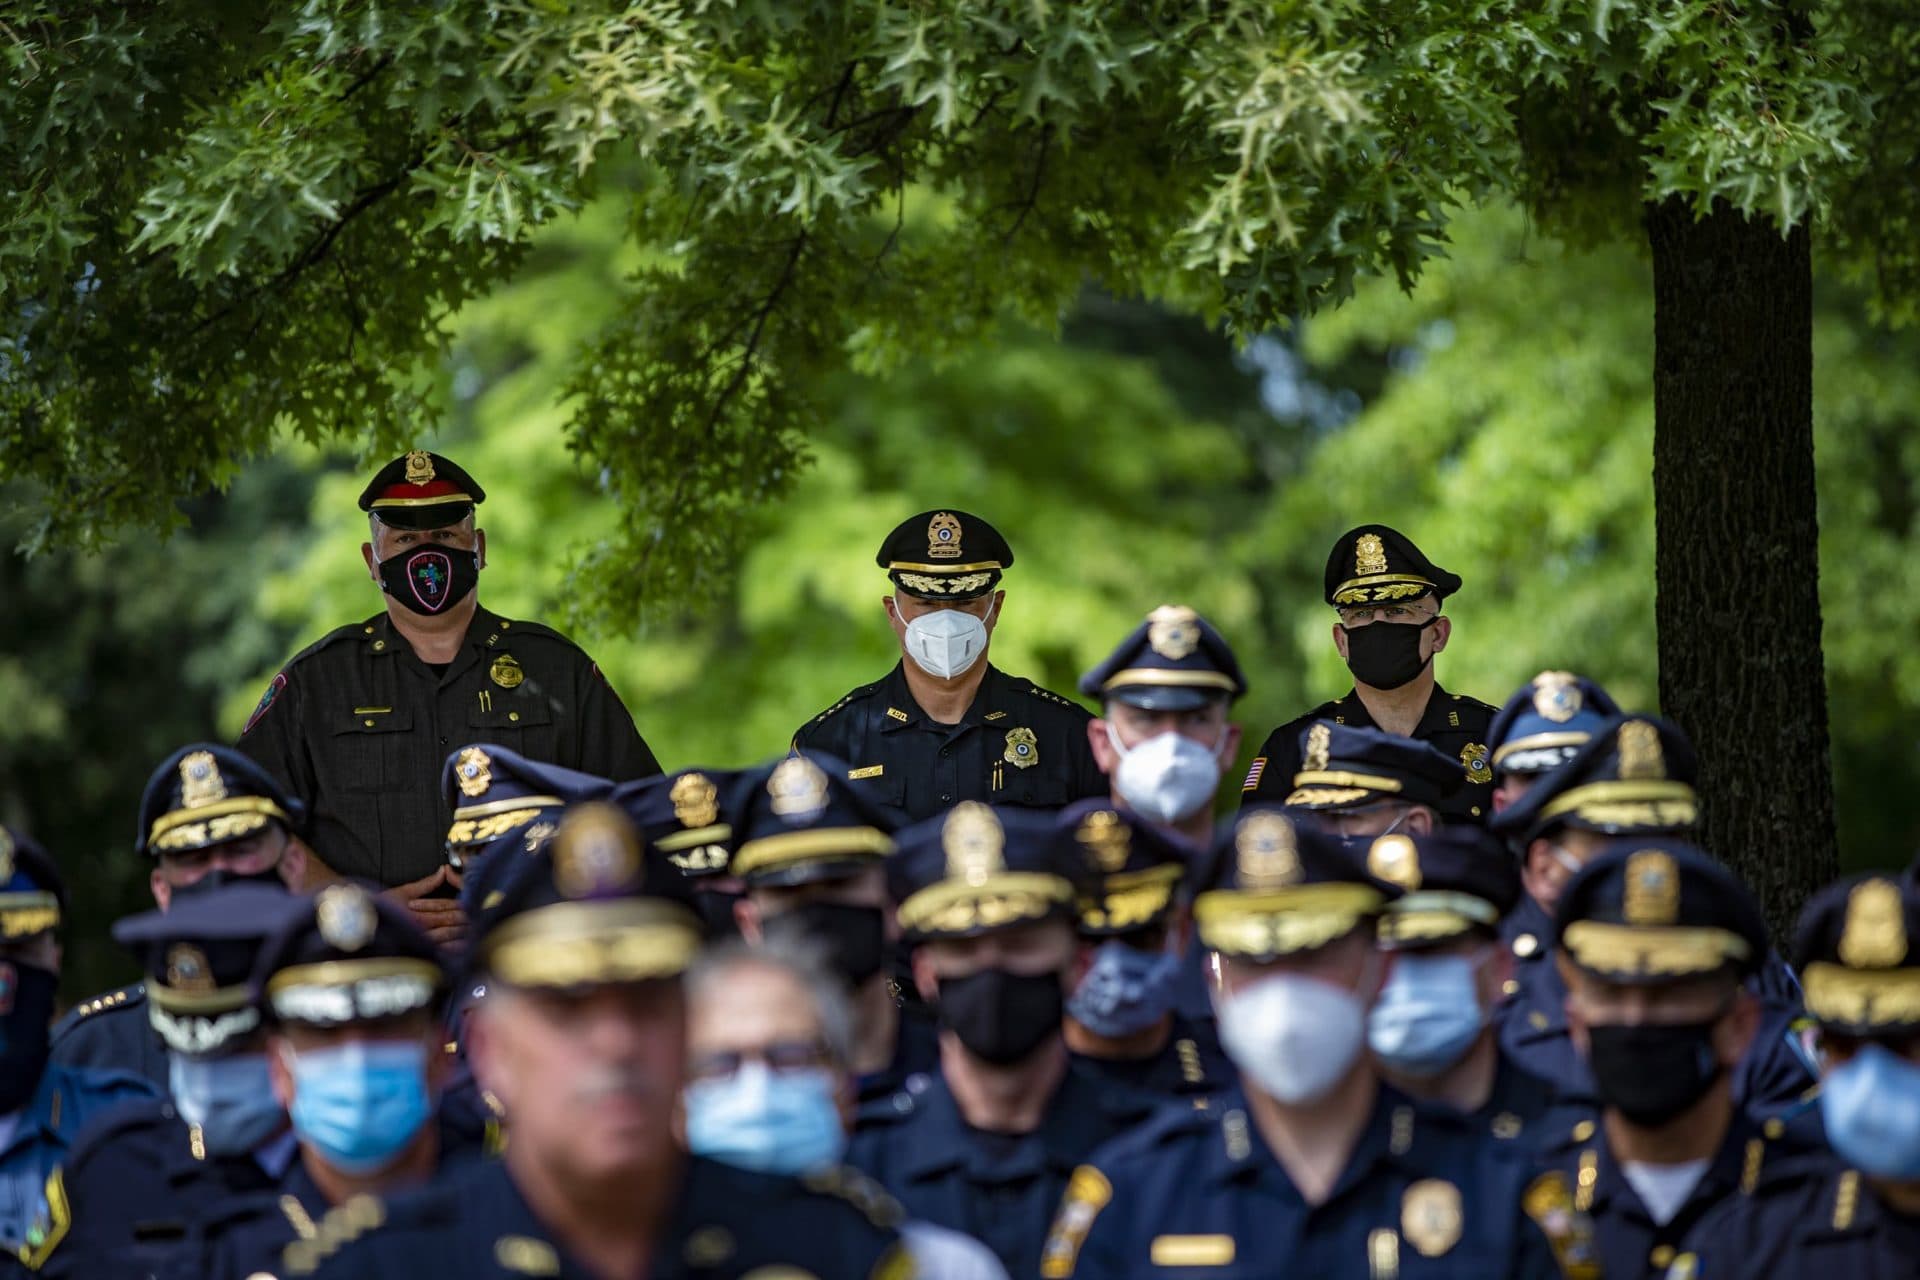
[1192,1251]
[871,771]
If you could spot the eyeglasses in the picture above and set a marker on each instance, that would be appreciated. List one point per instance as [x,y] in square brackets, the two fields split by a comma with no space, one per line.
[780,1056]
[1398,613]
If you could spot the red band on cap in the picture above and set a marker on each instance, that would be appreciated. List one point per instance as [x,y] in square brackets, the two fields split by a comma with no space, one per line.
[432,489]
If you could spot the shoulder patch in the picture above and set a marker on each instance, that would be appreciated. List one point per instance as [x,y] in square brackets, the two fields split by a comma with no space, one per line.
[274,688]
[1088,1192]
[860,1191]
[1549,1201]
[59,1219]
[344,1223]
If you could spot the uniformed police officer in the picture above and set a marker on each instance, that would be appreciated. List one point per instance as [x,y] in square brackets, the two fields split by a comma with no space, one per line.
[1855,1213]
[1365,783]
[357,724]
[1541,727]
[42,1105]
[1134,919]
[1432,1030]
[1655,942]
[945,725]
[811,855]
[987,897]
[682,817]
[208,816]
[1311,1166]
[353,995]
[582,1036]
[1388,596]
[140,1177]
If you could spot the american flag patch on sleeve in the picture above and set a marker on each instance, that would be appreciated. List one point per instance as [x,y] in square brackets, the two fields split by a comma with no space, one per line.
[1258,767]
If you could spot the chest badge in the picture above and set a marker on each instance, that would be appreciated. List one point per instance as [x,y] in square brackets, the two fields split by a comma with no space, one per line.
[505,672]
[1430,1216]
[1022,751]
[1473,757]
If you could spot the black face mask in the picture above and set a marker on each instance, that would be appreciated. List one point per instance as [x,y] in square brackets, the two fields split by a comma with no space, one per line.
[220,877]
[430,580]
[1002,1017]
[1386,655]
[26,1023]
[1651,1072]
[852,938]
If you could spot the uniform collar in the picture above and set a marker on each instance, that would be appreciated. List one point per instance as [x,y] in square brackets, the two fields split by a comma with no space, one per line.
[1073,1124]
[1722,1175]
[1241,1153]
[989,698]
[486,630]
[1433,718]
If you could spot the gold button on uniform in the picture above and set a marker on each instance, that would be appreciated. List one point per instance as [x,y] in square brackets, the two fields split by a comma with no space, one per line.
[1525,945]
[1661,1255]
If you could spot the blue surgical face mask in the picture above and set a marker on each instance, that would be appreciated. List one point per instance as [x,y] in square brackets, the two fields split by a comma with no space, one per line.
[229,1098]
[1125,991]
[1428,1015]
[771,1121]
[1871,1106]
[360,1104]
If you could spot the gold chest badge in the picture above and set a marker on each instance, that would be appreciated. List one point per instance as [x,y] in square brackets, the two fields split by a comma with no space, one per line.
[506,672]
[1473,758]
[1430,1216]
[1022,751]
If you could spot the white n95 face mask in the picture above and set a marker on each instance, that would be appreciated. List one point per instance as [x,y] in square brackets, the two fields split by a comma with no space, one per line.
[946,642]
[1167,778]
[1294,1036]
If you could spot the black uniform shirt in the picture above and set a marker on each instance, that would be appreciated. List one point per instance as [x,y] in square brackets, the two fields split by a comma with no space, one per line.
[1017,744]
[359,728]
[1452,722]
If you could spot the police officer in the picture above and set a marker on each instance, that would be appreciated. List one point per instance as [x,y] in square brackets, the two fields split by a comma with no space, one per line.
[353,995]
[1655,941]
[1310,1166]
[682,817]
[583,1036]
[1362,782]
[357,724]
[222,1134]
[987,898]
[208,816]
[42,1105]
[946,725]
[1134,920]
[1388,596]
[812,856]
[1857,1212]
[1541,727]
[1432,1031]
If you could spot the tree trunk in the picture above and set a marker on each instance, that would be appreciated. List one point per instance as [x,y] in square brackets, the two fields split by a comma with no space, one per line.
[1737,564]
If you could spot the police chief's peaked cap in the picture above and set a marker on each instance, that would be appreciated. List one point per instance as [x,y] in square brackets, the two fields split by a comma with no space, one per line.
[33,896]
[199,957]
[1173,661]
[800,821]
[348,954]
[1273,885]
[421,490]
[945,555]
[1133,867]
[683,817]
[1347,767]
[495,792]
[1545,724]
[207,793]
[1856,953]
[1375,565]
[979,869]
[1452,882]
[1633,777]
[1656,910]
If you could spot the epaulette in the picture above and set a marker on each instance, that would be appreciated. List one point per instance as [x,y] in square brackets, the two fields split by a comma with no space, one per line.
[858,1190]
[1026,686]
[351,631]
[514,628]
[853,696]
[1475,702]
[124,997]
[344,1223]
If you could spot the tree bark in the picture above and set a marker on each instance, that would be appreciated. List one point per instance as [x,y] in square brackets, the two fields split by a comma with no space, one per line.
[1737,532]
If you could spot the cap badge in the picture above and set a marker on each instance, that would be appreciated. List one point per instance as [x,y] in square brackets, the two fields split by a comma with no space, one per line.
[200,781]
[187,969]
[973,841]
[1319,745]
[1473,757]
[1556,696]
[1173,631]
[538,835]
[1022,751]
[1269,852]
[346,916]
[474,768]
[799,789]
[1396,860]
[506,672]
[419,467]
[694,800]
[1430,1216]
[595,852]
[943,536]
[1653,889]
[1369,555]
[1106,839]
[1640,754]
[6,856]
[1875,934]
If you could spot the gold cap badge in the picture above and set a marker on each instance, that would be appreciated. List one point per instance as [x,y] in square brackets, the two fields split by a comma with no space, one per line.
[943,536]
[1395,859]
[1106,839]
[1556,696]
[1641,758]
[474,768]
[346,916]
[973,840]
[1875,933]
[1369,555]
[419,467]
[1268,851]
[595,852]
[799,789]
[695,800]
[1319,743]
[1173,631]
[200,781]
[1653,888]
[188,970]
